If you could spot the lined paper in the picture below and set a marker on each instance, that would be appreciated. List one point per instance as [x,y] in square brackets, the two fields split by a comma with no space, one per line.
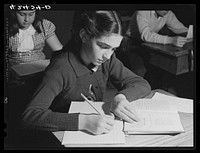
[156,116]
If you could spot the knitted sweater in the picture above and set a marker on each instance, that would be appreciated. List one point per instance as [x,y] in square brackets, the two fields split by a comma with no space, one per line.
[65,79]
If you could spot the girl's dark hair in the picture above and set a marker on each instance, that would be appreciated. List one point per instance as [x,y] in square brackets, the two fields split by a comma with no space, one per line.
[14,27]
[96,24]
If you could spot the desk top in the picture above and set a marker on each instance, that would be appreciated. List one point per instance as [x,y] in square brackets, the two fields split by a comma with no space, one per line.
[182,140]
[30,68]
[169,49]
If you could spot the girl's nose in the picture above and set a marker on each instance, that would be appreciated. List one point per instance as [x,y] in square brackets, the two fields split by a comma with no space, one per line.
[107,55]
[26,18]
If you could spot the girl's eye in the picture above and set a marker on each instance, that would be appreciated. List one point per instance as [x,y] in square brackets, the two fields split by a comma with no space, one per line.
[114,49]
[103,46]
[31,14]
[21,14]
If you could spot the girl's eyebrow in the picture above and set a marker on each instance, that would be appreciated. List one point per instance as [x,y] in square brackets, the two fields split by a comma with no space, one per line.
[26,12]
[104,44]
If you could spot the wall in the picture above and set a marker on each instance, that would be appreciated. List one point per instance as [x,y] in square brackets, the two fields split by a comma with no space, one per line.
[63,22]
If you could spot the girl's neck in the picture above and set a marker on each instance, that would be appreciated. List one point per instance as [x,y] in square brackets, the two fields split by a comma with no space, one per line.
[25,27]
[84,57]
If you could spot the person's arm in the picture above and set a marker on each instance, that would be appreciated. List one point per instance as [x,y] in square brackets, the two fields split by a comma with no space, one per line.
[147,35]
[131,87]
[50,35]
[175,25]
[38,114]
[54,43]
[127,82]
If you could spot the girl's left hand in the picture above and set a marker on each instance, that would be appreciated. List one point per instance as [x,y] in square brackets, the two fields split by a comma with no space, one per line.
[123,109]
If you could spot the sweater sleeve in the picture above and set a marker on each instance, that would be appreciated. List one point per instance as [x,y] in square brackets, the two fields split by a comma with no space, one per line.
[174,24]
[147,34]
[38,115]
[49,28]
[127,82]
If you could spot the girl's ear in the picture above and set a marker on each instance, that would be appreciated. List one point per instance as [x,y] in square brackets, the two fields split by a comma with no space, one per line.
[83,35]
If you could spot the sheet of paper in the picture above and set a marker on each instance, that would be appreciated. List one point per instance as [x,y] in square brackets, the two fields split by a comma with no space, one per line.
[182,104]
[30,68]
[190,32]
[156,116]
[116,136]
[158,122]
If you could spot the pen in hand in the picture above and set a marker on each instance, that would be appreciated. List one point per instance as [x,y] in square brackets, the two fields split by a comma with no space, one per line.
[90,103]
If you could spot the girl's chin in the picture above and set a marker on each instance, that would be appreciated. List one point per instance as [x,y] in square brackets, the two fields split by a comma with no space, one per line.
[97,63]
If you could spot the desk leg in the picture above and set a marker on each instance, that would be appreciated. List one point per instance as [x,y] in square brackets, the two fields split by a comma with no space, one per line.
[191,60]
[168,83]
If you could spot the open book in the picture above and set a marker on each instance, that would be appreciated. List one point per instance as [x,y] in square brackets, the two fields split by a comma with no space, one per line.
[116,136]
[156,117]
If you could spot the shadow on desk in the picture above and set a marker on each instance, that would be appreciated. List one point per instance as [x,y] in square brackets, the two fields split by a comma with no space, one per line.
[20,139]
[17,138]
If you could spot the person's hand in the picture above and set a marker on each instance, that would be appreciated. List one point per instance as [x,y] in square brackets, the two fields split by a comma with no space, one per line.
[178,41]
[189,39]
[95,123]
[122,108]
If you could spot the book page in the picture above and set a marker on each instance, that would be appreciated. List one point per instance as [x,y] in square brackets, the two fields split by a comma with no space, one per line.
[152,105]
[155,123]
[116,136]
[155,117]
[182,104]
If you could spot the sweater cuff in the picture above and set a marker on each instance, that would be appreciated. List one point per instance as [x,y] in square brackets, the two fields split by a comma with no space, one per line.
[72,122]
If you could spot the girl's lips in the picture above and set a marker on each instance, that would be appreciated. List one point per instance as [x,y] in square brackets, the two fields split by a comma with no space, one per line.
[26,23]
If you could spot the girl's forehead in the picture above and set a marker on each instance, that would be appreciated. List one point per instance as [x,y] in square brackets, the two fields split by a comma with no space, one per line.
[26,11]
[113,40]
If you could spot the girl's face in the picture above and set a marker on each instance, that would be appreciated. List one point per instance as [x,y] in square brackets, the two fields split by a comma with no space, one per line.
[98,50]
[25,18]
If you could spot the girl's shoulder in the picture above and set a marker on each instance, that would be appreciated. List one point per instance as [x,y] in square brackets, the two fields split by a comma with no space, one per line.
[48,27]
[46,22]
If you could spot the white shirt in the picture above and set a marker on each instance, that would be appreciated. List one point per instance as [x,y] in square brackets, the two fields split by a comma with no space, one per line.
[25,39]
[145,25]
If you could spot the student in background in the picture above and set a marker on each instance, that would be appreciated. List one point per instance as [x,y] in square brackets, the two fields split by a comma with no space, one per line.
[28,35]
[84,66]
[156,26]
[146,25]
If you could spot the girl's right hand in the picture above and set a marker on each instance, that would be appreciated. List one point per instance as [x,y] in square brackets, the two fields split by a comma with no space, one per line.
[95,123]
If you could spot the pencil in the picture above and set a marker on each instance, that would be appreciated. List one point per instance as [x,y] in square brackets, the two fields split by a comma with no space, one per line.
[90,103]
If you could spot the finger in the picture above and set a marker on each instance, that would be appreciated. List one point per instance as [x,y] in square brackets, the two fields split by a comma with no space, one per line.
[110,122]
[109,127]
[131,113]
[111,115]
[105,131]
[125,117]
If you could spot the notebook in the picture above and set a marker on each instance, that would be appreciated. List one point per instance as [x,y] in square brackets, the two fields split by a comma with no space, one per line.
[116,136]
[190,32]
[156,117]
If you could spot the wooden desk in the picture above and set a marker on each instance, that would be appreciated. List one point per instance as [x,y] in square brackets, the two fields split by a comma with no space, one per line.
[180,140]
[176,60]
